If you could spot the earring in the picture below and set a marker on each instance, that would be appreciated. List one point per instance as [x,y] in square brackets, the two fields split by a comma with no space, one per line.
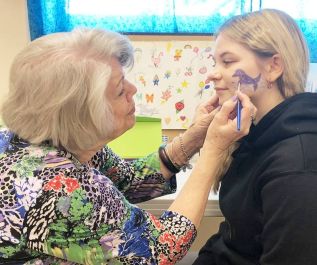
[269,84]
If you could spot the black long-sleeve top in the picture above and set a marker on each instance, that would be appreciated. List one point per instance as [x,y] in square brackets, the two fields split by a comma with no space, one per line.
[269,194]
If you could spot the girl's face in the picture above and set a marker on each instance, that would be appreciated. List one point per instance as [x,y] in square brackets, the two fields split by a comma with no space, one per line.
[236,64]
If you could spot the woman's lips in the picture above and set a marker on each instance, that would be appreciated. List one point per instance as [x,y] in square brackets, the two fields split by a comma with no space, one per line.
[132,111]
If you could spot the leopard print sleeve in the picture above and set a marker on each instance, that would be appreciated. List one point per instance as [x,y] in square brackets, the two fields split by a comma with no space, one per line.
[139,180]
[58,213]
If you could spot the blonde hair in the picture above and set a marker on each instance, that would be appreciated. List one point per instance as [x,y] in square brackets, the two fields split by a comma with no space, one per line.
[268,32]
[225,166]
[57,88]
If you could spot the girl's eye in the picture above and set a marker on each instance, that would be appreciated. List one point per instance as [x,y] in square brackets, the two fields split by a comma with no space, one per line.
[227,62]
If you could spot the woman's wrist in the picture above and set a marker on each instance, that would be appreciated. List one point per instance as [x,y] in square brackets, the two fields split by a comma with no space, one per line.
[192,141]
[167,160]
[211,151]
[180,150]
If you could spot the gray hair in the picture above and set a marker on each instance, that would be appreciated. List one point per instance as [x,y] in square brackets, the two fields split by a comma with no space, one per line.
[57,88]
[268,32]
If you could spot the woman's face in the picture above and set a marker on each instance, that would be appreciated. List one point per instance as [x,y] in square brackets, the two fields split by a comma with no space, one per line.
[236,64]
[120,96]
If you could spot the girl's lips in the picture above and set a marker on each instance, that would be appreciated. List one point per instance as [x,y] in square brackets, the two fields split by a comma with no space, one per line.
[220,89]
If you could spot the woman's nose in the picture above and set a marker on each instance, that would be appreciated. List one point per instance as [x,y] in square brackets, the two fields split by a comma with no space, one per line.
[132,90]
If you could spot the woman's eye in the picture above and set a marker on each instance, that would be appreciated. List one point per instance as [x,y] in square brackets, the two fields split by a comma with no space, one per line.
[121,86]
[121,93]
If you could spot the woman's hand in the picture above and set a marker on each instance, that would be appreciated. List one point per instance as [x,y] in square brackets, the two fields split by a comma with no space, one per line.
[204,114]
[222,131]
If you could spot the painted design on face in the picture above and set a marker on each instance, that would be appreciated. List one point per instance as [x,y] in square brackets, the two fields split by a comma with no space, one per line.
[245,79]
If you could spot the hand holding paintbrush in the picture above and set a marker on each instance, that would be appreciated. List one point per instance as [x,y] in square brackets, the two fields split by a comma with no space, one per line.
[239,111]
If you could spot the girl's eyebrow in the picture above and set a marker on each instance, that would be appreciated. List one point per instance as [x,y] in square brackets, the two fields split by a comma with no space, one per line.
[225,53]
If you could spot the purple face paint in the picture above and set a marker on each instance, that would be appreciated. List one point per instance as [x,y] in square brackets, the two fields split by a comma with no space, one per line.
[245,79]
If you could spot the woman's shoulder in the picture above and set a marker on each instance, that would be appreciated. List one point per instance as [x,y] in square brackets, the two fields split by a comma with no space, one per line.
[25,160]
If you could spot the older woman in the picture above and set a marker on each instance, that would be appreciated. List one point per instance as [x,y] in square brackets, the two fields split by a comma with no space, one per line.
[67,196]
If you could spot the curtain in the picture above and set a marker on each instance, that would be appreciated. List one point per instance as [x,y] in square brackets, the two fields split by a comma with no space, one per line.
[159,16]
[137,16]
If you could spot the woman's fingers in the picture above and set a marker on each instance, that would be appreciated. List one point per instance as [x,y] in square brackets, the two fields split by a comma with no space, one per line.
[248,111]
[210,104]
[205,111]
[223,131]
[226,109]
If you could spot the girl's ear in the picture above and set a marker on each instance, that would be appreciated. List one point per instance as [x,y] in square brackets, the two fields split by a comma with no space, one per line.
[275,68]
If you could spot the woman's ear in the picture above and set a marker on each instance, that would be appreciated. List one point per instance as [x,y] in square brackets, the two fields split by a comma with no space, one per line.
[275,68]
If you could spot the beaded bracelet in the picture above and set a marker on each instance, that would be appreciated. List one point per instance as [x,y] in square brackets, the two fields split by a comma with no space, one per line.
[187,165]
[183,148]
[166,160]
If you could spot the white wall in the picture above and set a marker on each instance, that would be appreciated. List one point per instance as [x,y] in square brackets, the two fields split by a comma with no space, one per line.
[14,35]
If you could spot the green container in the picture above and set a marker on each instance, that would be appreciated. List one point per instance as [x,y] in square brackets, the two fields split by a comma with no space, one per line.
[144,138]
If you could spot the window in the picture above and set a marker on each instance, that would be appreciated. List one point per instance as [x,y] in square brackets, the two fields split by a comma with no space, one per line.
[160,16]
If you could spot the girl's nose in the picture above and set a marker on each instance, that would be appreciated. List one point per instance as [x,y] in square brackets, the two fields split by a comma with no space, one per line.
[213,76]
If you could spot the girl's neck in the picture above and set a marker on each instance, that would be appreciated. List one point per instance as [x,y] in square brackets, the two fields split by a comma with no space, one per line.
[272,98]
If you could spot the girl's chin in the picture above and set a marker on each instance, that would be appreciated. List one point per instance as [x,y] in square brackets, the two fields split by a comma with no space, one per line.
[224,98]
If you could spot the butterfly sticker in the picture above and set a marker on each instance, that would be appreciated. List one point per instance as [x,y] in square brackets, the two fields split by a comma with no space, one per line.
[149,98]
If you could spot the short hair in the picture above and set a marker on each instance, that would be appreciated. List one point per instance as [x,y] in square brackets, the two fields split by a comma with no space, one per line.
[57,88]
[268,32]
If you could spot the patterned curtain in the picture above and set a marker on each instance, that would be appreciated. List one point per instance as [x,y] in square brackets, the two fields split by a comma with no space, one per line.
[159,16]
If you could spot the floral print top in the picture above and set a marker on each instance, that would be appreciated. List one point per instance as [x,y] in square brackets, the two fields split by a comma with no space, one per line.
[55,210]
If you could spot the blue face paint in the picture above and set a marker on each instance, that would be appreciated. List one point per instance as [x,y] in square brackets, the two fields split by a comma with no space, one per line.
[245,79]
